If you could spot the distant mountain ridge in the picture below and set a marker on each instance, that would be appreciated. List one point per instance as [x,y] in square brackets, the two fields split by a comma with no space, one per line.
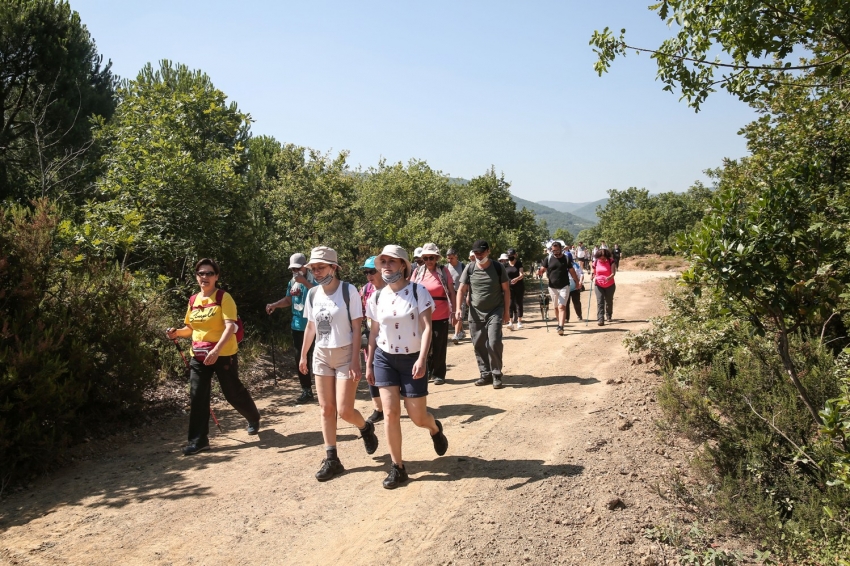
[554,218]
[585,210]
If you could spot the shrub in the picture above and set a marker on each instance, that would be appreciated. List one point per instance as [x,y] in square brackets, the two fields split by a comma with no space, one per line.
[76,343]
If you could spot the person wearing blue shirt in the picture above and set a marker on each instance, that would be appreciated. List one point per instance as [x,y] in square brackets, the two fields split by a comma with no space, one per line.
[296,297]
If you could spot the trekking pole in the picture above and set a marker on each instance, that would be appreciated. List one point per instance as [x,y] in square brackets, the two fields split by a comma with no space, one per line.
[589,301]
[274,362]
[186,363]
[544,312]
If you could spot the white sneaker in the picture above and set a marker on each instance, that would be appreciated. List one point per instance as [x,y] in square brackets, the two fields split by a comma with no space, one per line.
[513,326]
[456,339]
[462,335]
[518,326]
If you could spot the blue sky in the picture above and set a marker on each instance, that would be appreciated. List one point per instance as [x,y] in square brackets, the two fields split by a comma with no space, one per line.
[462,85]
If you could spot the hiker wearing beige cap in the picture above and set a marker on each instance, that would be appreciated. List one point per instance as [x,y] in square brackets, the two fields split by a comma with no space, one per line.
[399,339]
[333,319]
[440,285]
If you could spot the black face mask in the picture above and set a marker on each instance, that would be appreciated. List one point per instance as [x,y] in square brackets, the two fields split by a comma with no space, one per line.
[511,257]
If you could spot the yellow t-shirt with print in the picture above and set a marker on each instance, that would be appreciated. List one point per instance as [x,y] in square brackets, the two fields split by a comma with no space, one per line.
[208,322]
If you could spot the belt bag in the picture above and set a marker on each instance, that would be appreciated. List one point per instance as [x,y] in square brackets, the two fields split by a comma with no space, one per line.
[200,350]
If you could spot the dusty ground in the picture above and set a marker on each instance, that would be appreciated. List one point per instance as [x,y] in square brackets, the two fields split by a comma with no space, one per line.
[529,477]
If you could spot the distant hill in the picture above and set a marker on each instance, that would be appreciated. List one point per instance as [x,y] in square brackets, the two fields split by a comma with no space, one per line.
[555,219]
[585,210]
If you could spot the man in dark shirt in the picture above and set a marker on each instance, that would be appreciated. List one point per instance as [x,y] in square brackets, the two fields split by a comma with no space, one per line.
[559,268]
[489,297]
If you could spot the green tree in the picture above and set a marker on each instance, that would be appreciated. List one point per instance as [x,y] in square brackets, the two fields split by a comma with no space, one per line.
[563,234]
[745,32]
[53,82]
[173,187]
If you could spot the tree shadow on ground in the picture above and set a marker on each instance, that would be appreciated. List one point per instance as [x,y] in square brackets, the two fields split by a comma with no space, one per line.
[454,468]
[474,412]
[533,381]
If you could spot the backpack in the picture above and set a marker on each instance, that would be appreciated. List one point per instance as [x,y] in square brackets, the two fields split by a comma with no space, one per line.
[219,296]
[311,293]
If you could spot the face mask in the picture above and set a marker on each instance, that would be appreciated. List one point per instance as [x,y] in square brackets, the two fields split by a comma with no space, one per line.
[390,279]
[326,279]
[511,257]
[481,261]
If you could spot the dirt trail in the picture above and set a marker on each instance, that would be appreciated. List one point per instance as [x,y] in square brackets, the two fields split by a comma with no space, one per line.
[528,477]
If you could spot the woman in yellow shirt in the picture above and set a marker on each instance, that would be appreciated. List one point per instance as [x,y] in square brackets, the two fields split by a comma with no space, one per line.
[211,324]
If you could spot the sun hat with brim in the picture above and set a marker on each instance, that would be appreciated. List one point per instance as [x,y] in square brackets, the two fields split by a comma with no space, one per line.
[369,263]
[297,261]
[417,253]
[471,253]
[323,254]
[398,252]
[503,257]
[431,249]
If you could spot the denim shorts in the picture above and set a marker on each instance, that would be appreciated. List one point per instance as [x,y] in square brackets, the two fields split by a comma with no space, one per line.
[396,370]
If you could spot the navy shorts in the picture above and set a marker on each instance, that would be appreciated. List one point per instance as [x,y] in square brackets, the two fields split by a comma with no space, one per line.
[396,370]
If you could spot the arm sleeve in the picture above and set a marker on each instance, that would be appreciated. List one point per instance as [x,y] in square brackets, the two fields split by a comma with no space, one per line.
[449,281]
[426,302]
[228,307]
[288,289]
[504,275]
[355,307]
[188,313]
[464,277]
[308,306]
[372,307]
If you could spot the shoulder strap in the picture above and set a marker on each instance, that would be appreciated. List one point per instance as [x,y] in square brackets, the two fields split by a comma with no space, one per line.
[310,295]
[219,296]
[192,300]
[347,299]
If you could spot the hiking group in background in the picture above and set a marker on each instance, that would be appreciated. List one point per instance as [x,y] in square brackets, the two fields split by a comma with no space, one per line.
[396,334]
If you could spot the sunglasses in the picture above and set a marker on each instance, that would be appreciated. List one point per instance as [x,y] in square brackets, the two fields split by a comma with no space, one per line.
[429,257]
[370,271]
[205,273]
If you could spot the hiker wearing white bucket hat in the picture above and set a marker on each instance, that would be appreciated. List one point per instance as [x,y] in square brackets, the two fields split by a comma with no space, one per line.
[399,340]
[438,281]
[333,319]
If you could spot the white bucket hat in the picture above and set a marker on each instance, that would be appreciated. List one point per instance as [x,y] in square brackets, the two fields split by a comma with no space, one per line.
[398,252]
[430,249]
[471,254]
[503,257]
[417,253]
[323,254]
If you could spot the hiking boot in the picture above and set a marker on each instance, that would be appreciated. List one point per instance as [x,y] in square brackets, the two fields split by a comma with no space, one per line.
[560,331]
[601,323]
[329,469]
[305,397]
[396,477]
[441,443]
[376,416]
[481,381]
[370,439]
[497,383]
[439,380]
[608,319]
[195,447]
[253,428]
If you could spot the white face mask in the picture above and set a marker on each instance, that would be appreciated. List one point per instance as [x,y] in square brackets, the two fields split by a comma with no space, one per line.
[390,279]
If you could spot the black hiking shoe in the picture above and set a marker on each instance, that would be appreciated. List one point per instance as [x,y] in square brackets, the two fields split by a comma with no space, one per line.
[305,397]
[481,381]
[195,447]
[441,443]
[376,416]
[253,428]
[439,380]
[601,323]
[329,469]
[396,477]
[497,383]
[370,439]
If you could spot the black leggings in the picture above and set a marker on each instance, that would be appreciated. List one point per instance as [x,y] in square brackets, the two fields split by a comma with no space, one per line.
[226,368]
[575,298]
[517,295]
[298,343]
[439,343]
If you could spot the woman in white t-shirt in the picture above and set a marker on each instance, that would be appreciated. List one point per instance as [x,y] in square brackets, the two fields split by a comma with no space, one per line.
[399,340]
[334,314]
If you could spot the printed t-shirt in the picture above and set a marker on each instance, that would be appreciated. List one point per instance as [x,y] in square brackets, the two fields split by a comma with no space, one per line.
[579,273]
[431,282]
[208,323]
[456,273]
[298,293]
[512,271]
[398,318]
[558,270]
[485,288]
[603,270]
[328,314]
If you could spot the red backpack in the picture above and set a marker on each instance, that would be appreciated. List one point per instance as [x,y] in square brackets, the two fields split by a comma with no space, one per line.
[219,296]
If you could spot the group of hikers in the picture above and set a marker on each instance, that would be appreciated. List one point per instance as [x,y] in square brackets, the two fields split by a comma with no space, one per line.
[398,325]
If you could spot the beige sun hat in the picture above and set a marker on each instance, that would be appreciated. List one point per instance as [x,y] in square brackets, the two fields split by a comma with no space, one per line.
[398,252]
[431,249]
[503,257]
[323,254]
